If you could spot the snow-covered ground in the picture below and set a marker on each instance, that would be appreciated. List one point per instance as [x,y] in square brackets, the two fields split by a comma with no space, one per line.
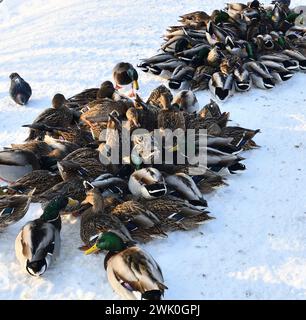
[256,246]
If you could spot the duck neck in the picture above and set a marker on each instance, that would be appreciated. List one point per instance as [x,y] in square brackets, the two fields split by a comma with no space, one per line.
[57,221]
[98,203]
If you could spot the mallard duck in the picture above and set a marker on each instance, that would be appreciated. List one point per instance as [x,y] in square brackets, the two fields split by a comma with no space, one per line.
[221,85]
[132,273]
[97,115]
[159,95]
[180,75]
[201,77]
[242,79]
[148,63]
[57,116]
[277,70]
[106,90]
[81,99]
[184,185]
[195,19]
[110,184]
[41,180]
[38,243]
[72,186]
[187,101]
[296,55]
[260,75]
[166,68]
[142,223]
[175,213]
[95,221]
[124,73]
[88,159]
[20,90]
[148,183]
[13,208]
[289,63]
[241,136]
[209,181]
[15,163]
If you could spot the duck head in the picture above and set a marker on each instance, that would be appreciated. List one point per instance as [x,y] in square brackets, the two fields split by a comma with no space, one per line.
[58,101]
[107,241]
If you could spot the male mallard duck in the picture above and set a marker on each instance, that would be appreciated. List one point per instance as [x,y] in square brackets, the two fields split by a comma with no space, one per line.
[148,63]
[124,73]
[15,163]
[95,221]
[132,273]
[260,75]
[13,208]
[180,75]
[20,90]
[242,79]
[184,185]
[277,70]
[57,116]
[296,55]
[38,242]
[221,85]
[187,101]
[147,183]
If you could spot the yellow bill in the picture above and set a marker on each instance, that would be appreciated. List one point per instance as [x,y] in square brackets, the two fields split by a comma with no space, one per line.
[135,85]
[72,203]
[93,249]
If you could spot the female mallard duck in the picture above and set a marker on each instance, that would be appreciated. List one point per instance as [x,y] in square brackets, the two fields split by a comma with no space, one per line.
[147,183]
[241,136]
[15,163]
[95,221]
[184,185]
[175,213]
[158,96]
[13,208]
[132,273]
[72,185]
[142,223]
[81,99]
[209,181]
[57,116]
[187,101]
[38,242]
[41,180]
[124,73]
[88,159]
[20,90]
[170,117]
[96,116]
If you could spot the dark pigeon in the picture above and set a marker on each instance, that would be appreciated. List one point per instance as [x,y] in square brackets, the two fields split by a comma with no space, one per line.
[20,90]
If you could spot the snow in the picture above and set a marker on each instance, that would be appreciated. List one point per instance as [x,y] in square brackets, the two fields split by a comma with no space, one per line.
[254,249]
